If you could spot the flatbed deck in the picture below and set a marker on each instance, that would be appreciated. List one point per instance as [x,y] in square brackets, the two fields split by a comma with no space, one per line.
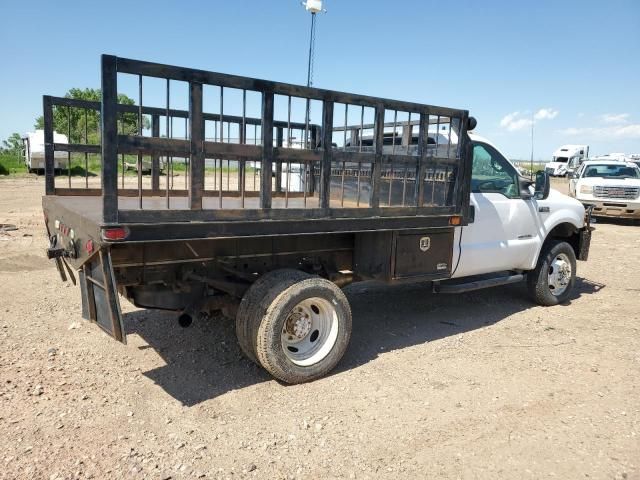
[85,213]
[90,206]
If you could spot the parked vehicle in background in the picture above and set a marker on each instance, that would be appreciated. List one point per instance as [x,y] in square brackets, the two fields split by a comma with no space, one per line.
[611,187]
[617,156]
[33,150]
[566,159]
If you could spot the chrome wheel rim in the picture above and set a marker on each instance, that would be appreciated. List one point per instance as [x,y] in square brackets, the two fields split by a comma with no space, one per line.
[559,274]
[310,331]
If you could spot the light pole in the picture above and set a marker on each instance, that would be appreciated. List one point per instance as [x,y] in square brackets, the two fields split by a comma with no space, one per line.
[533,121]
[315,7]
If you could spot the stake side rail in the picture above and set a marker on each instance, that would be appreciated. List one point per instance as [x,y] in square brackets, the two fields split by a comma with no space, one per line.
[304,154]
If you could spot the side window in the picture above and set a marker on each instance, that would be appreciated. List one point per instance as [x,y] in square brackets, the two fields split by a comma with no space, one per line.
[491,173]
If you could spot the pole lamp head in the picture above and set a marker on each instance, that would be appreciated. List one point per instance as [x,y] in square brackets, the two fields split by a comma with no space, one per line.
[313,6]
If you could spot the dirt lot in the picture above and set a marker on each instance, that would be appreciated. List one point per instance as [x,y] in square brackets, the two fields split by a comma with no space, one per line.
[482,385]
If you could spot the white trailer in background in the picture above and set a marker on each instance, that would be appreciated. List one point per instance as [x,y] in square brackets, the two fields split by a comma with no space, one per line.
[566,159]
[34,150]
[616,156]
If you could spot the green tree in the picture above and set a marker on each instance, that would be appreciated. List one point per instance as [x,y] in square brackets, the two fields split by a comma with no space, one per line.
[83,125]
[12,145]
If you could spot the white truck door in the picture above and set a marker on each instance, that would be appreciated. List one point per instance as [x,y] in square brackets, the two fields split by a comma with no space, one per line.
[504,234]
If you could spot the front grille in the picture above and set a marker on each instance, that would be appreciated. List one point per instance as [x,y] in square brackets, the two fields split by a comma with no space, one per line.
[624,193]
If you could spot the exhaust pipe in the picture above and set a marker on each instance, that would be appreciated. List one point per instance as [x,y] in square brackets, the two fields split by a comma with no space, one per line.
[342,279]
[185,319]
[202,308]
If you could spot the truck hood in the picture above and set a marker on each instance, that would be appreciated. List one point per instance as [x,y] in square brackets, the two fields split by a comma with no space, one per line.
[559,197]
[563,209]
[610,182]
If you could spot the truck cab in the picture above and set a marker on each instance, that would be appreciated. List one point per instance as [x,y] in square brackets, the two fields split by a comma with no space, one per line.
[511,222]
[566,159]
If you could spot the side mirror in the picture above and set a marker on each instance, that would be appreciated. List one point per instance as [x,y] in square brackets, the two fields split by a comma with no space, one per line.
[524,184]
[471,123]
[543,185]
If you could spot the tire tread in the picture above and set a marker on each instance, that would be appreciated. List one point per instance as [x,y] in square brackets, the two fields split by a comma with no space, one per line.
[251,310]
[269,351]
[537,278]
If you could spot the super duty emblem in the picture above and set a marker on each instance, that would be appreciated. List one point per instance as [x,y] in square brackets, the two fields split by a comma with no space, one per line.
[425,243]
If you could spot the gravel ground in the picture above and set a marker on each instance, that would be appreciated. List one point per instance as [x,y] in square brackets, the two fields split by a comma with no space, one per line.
[480,385]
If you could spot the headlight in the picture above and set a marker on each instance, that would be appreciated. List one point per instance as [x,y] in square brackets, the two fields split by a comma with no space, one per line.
[586,189]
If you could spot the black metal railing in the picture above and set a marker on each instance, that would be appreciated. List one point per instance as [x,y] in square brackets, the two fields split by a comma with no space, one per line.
[307,153]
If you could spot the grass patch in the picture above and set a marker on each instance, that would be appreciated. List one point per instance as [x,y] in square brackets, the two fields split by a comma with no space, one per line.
[14,164]
[11,164]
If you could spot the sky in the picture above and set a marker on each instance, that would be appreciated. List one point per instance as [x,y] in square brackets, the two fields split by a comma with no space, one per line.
[571,67]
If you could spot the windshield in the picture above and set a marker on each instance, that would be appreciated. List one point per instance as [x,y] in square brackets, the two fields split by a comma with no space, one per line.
[613,171]
[560,159]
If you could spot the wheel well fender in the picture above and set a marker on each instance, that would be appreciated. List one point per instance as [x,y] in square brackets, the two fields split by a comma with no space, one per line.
[564,231]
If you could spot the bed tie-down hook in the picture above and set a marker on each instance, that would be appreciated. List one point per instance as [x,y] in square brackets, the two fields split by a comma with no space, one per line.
[58,253]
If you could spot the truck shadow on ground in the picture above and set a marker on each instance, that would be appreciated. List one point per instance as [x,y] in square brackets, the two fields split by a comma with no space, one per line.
[205,361]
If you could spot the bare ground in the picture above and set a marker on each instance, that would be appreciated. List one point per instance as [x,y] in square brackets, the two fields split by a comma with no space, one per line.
[481,385]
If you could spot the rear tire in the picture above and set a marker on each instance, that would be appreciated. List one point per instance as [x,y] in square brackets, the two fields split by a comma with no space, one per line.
[250,310]
[300,327]
[554,277]
[305,331]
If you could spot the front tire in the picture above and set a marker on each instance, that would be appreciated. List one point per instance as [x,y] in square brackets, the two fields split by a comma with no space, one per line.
[554,277]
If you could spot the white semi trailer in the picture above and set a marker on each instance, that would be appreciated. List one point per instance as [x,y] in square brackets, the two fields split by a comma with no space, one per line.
[34,150]
[566,159]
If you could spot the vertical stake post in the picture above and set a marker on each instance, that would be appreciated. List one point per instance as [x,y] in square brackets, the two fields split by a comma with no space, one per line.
[109,139]
[327,154]
[267,149]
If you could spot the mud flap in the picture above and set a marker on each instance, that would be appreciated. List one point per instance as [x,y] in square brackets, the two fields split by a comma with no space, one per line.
[584,243]
[100,303]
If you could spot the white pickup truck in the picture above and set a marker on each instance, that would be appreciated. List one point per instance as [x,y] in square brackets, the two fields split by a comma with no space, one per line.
[611,187]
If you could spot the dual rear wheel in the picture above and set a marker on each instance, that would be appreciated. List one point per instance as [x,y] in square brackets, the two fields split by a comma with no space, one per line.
[295,325]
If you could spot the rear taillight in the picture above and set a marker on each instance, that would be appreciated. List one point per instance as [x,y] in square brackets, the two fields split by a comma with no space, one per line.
[114,233]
